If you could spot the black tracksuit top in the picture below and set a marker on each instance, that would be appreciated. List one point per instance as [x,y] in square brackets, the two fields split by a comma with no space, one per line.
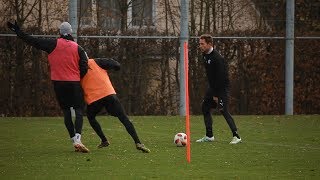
[217,72]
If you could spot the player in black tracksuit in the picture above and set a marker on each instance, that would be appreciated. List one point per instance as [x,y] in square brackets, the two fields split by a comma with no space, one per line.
[68,93]
[218,90]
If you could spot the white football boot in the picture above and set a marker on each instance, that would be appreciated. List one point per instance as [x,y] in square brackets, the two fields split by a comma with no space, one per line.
[77,144]
[206,139]
[235,140]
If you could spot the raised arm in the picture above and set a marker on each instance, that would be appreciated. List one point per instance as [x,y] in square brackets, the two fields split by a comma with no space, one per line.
[46,45]
[108,64]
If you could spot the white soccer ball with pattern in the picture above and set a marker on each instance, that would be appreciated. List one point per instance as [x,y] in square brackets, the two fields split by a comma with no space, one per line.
[180,139]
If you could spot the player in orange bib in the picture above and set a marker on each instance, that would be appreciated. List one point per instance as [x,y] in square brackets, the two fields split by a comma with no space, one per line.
[99,93]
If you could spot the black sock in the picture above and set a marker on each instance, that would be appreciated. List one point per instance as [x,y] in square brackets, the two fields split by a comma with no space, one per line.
[235,133]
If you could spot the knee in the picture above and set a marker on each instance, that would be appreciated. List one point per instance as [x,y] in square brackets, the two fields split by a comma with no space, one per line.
[78,112]
[205,108]
[90,117]
[223,109]
[124,119]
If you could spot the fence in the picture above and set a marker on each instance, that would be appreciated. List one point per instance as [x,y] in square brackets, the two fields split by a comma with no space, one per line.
[148,82]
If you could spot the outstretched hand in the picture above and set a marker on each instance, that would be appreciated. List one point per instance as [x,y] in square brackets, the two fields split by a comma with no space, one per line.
[14,27]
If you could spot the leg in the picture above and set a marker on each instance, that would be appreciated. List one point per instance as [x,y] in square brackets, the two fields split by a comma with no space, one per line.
[206,111]
[77,102]
[115,108]
[62,92]
[92,110]
[207,105]
[223,108]
[69,94]
[79,120]
[79,147]
[68,121]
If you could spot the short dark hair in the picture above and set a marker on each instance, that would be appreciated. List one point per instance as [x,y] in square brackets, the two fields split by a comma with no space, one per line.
[207,37]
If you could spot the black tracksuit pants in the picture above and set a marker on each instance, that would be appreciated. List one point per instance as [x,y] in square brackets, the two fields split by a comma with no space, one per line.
[114,108]
[208,104]
[69,94]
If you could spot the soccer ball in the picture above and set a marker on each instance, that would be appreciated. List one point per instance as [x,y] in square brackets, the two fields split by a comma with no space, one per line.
[180,139]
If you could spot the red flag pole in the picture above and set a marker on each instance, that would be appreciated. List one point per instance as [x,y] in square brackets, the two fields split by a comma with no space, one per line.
[186,70]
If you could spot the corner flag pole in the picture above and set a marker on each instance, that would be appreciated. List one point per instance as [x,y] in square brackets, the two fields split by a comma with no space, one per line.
[186,70]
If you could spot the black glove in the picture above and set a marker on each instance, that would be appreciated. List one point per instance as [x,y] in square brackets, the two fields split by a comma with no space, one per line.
[14,27]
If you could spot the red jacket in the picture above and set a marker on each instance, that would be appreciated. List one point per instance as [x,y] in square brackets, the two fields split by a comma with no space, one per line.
[64,61]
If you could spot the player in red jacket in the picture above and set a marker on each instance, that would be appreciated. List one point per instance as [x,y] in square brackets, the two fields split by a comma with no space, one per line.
[68,63]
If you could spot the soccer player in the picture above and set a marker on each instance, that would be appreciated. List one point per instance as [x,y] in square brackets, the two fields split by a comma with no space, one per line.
[217,92]
[68,63]
[99,93]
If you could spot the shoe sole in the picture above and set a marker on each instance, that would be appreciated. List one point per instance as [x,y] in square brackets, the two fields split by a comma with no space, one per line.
[203,141]
[79,148]
[145,150]
[102,146]
[236,142]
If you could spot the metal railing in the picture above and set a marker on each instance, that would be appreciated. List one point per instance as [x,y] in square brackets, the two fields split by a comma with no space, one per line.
[171,37]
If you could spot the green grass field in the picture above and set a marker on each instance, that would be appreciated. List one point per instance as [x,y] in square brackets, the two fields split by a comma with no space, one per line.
[274,147]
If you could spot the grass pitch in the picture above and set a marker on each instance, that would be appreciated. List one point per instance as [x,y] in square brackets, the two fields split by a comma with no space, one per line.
[274,147]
